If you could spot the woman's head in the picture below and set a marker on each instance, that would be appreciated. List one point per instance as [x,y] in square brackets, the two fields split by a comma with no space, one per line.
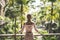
[28,16]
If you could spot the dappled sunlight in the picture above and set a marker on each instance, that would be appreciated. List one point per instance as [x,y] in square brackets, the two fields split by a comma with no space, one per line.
[43,22]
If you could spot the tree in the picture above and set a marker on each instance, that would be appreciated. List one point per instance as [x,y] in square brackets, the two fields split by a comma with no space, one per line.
[2,5]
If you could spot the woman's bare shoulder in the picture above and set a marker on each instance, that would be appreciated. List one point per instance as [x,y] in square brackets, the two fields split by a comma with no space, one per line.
[31,23]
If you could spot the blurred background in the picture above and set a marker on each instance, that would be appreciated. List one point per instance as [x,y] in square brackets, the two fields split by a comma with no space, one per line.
[45,14]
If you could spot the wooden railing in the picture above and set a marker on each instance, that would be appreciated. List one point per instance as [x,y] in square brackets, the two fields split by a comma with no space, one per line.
[50,34]
[10,35]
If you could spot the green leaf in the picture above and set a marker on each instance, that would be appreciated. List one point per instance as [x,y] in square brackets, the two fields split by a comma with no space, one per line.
[52,0]
[22,1]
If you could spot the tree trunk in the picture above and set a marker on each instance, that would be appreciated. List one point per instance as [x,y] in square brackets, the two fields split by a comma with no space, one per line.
[0,9]
[21,15]
[2,3]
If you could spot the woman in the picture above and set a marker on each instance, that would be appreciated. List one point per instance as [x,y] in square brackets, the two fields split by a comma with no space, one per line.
[29,25]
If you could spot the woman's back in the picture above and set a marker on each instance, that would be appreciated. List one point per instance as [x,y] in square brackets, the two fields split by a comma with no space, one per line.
[29,27]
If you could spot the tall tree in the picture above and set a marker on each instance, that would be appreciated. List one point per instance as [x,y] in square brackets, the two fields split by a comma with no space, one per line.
[2,4]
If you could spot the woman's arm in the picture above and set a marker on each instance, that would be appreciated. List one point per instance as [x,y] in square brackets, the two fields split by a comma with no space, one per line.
[36,29]
[22,28]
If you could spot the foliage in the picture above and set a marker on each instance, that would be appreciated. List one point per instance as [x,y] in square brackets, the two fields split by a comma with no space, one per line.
[22,1]
[49,38]
[12,13]
[13,9]
[52,0]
